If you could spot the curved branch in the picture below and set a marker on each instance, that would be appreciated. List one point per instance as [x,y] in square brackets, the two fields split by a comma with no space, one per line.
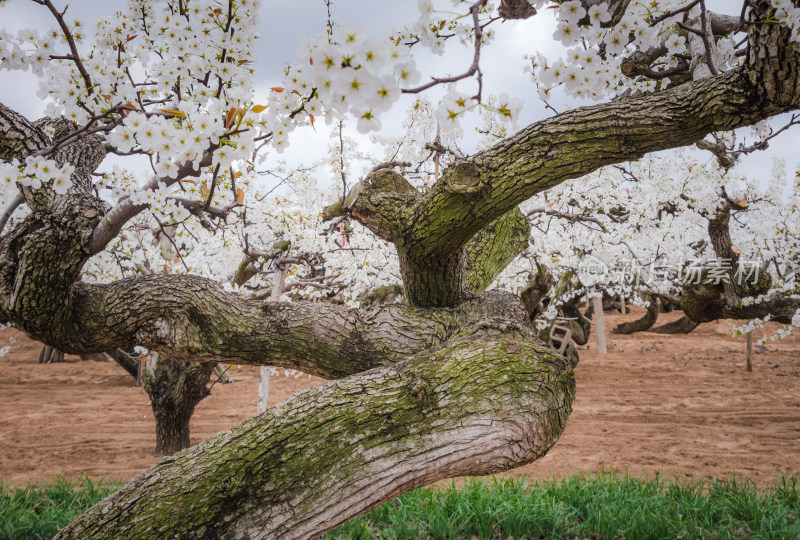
[573,144]
[684,325]
[645,322]
[189,318]
[15,203]
[474,68]
[431,230]
[342,448]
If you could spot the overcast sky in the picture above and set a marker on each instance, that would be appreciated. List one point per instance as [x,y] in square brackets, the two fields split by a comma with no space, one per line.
[283,24]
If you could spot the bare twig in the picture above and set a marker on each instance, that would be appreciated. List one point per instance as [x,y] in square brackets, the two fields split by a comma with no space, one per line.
[12,206]
[390,164]
[171,241]
[75,57]
[674,12]
[575,218]
[473,69]
[319,282]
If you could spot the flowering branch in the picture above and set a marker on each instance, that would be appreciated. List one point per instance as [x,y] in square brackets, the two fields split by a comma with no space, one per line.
[474,68]
[75,57]
[126,209]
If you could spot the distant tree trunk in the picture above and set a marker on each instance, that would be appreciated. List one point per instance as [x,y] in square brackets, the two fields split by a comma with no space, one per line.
[95,357]
[644,323]
[50,355]
[175,389]
[684,325]
[749,366]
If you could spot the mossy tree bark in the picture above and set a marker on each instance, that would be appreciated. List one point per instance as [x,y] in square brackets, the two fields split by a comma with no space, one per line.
[339,449]
[453,382]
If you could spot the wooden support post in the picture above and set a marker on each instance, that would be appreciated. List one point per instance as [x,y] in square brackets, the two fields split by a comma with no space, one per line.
[600,325]
[622,304]
[278,280]
[263,389]
[139,368]
[749,351]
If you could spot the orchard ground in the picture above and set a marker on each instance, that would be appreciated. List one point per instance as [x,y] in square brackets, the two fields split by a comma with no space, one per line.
[674,404]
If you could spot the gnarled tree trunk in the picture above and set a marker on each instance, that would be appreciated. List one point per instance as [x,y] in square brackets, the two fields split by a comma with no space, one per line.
[645,322]
[175,389]
[334,451]
[684,325]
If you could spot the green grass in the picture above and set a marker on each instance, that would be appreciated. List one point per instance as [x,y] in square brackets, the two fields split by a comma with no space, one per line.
[40,511]
[607,505]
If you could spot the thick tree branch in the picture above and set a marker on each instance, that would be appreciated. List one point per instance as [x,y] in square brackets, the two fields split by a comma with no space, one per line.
[340,449]
[189,318]
[19,137]
[516,9]
[431,230]
[475,191]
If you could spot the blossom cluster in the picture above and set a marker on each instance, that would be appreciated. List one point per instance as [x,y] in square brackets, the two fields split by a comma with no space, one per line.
[788,14]
[37,172]
[355,73]
[591,68]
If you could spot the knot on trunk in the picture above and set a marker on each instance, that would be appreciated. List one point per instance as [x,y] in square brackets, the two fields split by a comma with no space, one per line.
[383,202]
[464,177]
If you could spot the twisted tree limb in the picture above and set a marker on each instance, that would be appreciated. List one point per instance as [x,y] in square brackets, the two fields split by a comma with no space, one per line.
[367,438]
[645,322]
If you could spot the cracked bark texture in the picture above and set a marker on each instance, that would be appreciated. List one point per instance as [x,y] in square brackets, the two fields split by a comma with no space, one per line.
[365,438]
[453,382]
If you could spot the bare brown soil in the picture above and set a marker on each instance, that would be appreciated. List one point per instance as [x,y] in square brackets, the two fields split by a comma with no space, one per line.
[674,404]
